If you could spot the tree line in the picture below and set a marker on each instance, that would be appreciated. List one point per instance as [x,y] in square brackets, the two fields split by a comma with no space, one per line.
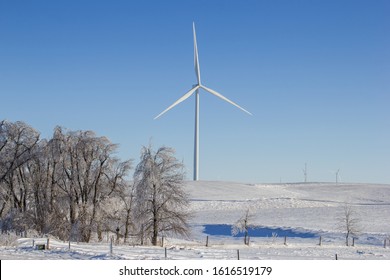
[72,186]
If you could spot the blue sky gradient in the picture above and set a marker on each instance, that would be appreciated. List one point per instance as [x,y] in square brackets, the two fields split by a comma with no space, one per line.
[315,74]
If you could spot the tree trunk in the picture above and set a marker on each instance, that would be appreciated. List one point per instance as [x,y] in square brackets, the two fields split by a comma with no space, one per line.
[127,225]
[155,232]
[99,232]
[155,216]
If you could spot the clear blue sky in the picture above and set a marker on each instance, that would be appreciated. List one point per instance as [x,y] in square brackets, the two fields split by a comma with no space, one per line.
[315,74]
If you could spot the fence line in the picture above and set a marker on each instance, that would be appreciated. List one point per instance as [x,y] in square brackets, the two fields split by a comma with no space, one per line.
[234,247]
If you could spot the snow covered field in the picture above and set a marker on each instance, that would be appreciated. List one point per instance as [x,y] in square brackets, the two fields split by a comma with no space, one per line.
[300,212]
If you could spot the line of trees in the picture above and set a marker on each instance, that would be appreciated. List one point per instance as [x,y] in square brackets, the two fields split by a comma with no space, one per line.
[73,187]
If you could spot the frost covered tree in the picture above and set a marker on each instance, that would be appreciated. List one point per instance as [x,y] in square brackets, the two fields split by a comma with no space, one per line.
[17,146]
[160,199]
[88,174]
[243,225]
[349,222]
[56,186]
[126,195]
[118,211]
[43,213]
[17,140]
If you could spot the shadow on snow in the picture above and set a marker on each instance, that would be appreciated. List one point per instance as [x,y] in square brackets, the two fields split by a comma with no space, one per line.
[226,230]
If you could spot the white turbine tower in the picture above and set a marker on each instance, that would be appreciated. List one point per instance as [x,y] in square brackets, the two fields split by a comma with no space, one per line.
[195,90]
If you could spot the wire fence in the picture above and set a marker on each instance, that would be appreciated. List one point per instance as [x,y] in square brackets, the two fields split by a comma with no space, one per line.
[211,247]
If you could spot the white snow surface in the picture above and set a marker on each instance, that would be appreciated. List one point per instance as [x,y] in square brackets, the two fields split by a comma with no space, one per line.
[307,208]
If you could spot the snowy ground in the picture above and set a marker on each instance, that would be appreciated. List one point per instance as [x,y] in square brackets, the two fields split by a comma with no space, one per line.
[301,212]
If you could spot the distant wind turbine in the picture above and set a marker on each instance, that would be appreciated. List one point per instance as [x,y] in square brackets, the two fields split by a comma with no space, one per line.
[337,176]
[305,172]
[195,90]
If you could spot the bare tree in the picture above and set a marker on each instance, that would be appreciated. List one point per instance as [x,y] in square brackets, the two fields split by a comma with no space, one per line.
[243,224]
[56,186]
[117,211]
[126,194]
[37,177]
[88,174]
[160,198]
[17,144]
[349,222]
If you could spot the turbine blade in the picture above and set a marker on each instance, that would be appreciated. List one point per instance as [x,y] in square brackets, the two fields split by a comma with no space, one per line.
[196,58]
[224,98]
[181,99]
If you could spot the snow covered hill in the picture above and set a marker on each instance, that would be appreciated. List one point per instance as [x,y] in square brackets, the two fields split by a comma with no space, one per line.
[311,206]
[301,214]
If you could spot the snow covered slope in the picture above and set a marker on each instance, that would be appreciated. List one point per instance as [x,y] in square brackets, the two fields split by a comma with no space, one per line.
[312,206]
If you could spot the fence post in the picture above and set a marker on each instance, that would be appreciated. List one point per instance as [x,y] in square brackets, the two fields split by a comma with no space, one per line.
[353,241]
[207,241]
[238,254]
[285,240]
[165,252]
[47,244]
[162,241]
[34,243]
[384,246]
[336,257]
[320,244]
[69,245]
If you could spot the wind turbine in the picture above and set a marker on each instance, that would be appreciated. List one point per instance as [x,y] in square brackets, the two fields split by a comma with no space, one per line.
[337,176]
[305,172]
[195,89]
